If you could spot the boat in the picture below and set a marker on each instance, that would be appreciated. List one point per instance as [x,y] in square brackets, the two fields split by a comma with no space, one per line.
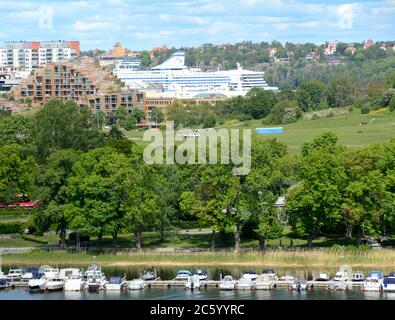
[14,275]
[338,285]
[3,281]
[341,275]
[244,283]
[357,276]
[389,282]
[55,284]
[183,275]
[227,283]
[200,273]
[174,75]
[264,282]
[300,285]
[374,282]
[287,278]
[250,274]
[149,274]
[94,278]
[322,277]
[193,283]
[49,272]
[67,273]
[37,285]
[31,273]
[271,274]
[137,284]
[116,283]
[74,283]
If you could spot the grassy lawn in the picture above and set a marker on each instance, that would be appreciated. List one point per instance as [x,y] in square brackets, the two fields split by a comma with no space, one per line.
[353,129]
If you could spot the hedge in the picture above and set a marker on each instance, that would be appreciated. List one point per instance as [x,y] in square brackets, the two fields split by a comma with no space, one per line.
[27,238]
[11,227]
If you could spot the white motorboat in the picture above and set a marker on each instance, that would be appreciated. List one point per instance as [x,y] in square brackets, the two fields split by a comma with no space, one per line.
[287,278]
[73,283]
[116,283]
[357,276]
[193,283]
[49,272]
[322,277]
[389,282]
[137,284]
[264,282]
[244,283]
[271,274]
[14,275]
[374,282]
[149,274]
[300,285]
[342,275]
[37,285]
[200,273]
[67,273]
[227,283]
[55,284]
[250,274]
[94,278]
[183,275]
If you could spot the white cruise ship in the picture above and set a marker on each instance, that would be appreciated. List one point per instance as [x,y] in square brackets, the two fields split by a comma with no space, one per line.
[174,75]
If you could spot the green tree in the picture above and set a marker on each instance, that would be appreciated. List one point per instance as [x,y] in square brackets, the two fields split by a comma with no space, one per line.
[157,116]
[17,171]
[259,102]
[145,59]
[61,125]
[51,182]
[15,129]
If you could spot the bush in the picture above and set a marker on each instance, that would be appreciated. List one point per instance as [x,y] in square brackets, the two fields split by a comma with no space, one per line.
[315,117]
[365,109]
[11,227]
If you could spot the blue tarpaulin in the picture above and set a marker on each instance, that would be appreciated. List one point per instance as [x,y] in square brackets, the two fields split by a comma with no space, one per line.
[269,130]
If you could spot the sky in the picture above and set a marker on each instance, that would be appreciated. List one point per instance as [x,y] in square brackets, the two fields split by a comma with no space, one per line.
[143,24]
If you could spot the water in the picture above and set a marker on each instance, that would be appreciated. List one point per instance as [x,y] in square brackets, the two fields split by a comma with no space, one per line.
[178,293]
[205,294]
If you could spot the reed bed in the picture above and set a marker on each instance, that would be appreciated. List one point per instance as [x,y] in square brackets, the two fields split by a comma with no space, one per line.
[327,258]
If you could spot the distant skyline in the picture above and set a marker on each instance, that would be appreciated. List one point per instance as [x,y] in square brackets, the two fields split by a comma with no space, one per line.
[141,25]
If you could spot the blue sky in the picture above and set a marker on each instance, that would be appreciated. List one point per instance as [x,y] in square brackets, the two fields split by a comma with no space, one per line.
[142,24]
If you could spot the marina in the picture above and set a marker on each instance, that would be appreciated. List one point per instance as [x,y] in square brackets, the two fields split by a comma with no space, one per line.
[63,283]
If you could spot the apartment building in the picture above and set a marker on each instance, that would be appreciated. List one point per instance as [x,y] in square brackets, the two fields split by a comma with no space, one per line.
[28,56]
[81,82]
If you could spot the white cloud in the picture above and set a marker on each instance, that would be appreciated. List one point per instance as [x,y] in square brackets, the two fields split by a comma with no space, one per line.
[94,26]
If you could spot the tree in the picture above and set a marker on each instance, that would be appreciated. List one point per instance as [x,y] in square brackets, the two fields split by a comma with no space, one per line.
[51,182]
[115,134]
[209,121]
[259,102]
[391,105]
[93,191]
[15,129]
[145,59]
[157,116]
[284,112]
[130,122]
[121,116]
[61,125]
[310,95]
[17,171]
[341,91]
[315,201]
[266,181]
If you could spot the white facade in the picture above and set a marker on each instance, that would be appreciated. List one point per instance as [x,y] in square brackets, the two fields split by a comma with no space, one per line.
[27,56]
